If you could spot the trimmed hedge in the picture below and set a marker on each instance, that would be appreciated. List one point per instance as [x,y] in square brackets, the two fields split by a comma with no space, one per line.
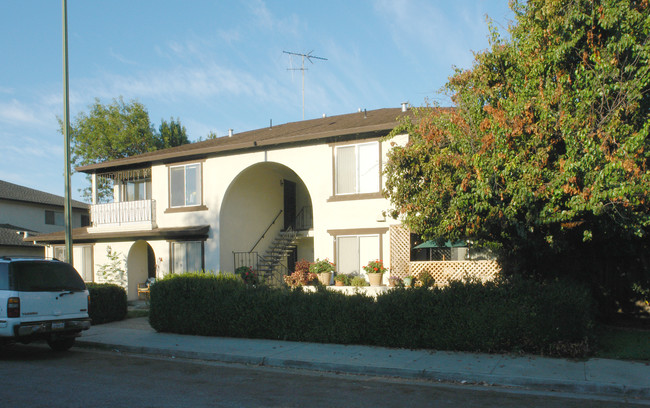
[107,302]
[521,316]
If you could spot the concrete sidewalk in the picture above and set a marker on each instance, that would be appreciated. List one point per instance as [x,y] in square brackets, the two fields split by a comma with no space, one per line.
[593,376]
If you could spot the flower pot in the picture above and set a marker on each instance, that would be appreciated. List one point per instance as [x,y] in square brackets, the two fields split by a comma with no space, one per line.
[325,278]
[338,283]
[408,281]
[375,279]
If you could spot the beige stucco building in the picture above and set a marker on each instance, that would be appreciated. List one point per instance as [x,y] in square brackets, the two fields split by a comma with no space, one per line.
[302,190]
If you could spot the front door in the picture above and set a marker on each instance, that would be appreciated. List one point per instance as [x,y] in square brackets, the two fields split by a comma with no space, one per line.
[289,204]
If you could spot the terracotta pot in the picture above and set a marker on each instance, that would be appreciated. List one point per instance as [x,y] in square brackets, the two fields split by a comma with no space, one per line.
[325,278]
[338,283]
[375,279]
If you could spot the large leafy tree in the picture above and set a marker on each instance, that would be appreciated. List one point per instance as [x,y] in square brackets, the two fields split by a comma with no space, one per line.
[113,131]
[117,130]
[544,157]
[171,134]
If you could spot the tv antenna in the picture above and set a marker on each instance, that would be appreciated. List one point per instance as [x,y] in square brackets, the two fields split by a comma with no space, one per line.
[302,68]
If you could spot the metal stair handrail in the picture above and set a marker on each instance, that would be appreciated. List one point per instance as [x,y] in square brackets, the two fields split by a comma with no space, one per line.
[265,231]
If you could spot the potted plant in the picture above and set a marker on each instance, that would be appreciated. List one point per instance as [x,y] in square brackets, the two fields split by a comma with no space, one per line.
[323,268]
[375,270]
[342,279]
[408,281]
[393,281]
[358,281]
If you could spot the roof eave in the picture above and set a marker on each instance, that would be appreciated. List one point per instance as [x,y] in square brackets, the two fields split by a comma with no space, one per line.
[370,131]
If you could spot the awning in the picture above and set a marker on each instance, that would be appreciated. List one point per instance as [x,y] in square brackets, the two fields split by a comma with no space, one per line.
[434,244]
[83,235]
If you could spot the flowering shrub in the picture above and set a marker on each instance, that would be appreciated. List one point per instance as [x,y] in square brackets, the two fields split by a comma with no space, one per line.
[321,266]
[375,267]
[301,276]
[248,275]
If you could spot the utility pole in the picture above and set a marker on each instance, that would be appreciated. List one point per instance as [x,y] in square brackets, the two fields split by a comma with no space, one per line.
[303,69]
[66,135]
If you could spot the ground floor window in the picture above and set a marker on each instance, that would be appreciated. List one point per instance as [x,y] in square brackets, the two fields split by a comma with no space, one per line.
[187,256]
[355,251]
[82,257]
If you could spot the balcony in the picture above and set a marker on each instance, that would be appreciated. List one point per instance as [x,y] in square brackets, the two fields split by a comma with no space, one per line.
[125,215]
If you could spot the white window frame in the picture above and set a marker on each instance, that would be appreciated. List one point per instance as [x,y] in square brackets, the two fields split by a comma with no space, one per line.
[198,200]
[370,175]
[362,260]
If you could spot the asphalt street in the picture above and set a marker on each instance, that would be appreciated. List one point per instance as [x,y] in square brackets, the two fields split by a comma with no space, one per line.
[36,377]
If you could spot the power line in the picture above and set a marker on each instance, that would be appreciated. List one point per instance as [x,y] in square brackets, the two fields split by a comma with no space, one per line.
[309,58]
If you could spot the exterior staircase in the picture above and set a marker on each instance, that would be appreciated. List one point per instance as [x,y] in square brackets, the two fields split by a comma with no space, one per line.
[272,259]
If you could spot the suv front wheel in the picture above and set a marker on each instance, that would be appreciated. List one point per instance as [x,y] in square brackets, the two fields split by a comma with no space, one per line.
[61,343]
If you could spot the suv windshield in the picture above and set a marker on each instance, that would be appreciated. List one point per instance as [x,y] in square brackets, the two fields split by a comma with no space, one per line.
[37,276]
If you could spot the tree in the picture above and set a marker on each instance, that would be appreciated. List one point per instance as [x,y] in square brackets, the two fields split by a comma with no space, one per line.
[171,134]
[109,132]
[115,131]
[544,157]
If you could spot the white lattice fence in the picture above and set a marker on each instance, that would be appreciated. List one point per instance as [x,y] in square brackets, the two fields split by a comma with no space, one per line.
[400,251]
[441,271]
[444,271]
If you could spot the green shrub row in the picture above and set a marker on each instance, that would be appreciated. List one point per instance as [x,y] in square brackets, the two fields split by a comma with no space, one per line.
[553,319]
[107,302]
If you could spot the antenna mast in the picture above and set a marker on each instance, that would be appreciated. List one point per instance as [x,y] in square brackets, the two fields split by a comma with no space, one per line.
[303,69]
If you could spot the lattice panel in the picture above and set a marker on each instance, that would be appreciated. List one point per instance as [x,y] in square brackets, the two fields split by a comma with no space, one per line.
[400,250]
[444,271]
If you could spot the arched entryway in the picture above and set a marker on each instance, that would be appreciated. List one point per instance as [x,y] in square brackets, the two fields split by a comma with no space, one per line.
[140,265]
[261,202]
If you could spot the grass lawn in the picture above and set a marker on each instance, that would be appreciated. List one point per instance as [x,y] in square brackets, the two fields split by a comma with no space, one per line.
[622,343]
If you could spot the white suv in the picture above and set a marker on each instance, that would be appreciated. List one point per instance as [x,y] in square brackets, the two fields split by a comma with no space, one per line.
[41,299]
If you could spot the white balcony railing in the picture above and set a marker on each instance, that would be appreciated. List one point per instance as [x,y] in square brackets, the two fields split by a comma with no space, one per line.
[126,212]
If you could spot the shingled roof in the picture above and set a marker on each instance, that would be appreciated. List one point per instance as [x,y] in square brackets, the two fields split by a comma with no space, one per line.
[364,124]
[11,235]
[15,192]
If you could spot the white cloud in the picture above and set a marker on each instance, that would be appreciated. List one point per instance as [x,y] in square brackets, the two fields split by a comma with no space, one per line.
[265,19]
[15,112]
[424,26]
[229,36]
[181,82]
[121,58]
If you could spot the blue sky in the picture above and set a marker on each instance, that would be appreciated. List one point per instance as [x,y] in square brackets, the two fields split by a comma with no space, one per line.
[217,65]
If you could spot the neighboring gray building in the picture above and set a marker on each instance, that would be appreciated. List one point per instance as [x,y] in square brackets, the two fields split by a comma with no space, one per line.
[25,211]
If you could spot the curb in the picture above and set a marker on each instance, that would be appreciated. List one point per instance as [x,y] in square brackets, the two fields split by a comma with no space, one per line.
[539,384]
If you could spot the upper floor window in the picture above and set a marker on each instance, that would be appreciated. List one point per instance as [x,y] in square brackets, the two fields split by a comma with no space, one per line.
[136,190]
[185,185]
[53,218]
[357,168]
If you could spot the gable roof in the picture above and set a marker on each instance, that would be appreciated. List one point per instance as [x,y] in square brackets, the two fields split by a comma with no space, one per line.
[365,124]
[15,192]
